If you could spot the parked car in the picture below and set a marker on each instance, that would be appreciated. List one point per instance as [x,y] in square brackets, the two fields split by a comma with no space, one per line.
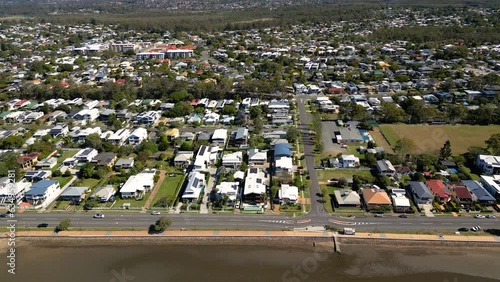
[403,216]
[379,215]
[155,213]
[479,216]
[43,225]
[491,216]
[463,229]
[99,215]
[3,215]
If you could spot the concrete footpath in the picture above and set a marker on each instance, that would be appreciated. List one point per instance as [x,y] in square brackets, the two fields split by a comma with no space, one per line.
[228,233]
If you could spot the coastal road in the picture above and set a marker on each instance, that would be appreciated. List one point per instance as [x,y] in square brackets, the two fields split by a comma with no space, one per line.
[252,222]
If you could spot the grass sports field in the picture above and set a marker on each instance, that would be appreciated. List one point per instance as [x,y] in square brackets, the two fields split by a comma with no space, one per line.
[430,138]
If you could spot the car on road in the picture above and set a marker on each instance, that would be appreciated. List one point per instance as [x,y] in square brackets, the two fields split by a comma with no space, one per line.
[379,215]
[491,216]
[155,213]
[403,216]
[463,229]
[479,216]
[99,215]
[476,228]
[3,215]
[43,225]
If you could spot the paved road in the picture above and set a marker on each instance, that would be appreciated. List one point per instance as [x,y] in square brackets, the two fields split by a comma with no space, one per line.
[261,222]
[317,209]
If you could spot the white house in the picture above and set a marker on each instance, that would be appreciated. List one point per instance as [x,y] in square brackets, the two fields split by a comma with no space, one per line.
[219,137]
[196,184]
[256,157]
[230,189]
[399,200]
[119,137]
[42,192]
[349,161]
[90,104]
[47,163]
[137,185]
[183,158]
[85,155]
[283,165]
[288,194]
[232,160]
[87,115]
[492,185]
[255,186]
[16,191]
[104,194]
[385,167]
[137,136]
[206,156]
[149,117]
[489,164]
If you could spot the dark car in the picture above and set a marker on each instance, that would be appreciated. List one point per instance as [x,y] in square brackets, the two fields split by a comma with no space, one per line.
[463,229]
[43,225]
[3,215]
[403,216]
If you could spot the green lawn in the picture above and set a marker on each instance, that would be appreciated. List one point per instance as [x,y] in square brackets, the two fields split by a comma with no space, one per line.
[133,202]
[65,155]
[169,188]
[324,175]
[62,180]
[430,138]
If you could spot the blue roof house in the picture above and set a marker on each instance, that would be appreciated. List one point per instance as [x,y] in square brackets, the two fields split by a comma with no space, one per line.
[42,192]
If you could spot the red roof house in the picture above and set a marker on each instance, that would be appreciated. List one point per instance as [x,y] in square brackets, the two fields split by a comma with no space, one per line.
[438,188]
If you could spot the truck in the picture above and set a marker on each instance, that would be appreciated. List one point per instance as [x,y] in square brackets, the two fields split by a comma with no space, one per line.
[349,231]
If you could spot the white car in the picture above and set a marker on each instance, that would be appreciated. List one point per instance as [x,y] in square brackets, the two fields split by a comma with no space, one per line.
[155,213]
[491,216]
[99,215]
[479,216]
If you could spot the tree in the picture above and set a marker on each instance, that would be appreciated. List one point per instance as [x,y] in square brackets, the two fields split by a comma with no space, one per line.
[229,110]
[292,134]
[342,182]
[160,225]
[93,141]
[493,144]
[87,171]
[445,151]
[391,113]
[404,146]
[63,225]
[163,202]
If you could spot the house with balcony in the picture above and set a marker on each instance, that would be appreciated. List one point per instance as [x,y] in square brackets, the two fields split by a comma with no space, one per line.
[85,155]
[229,189]
[492,185]
[219,137]
[137,185]
[59,130]
[206,155]
[385,167]
[42,192]
[119,137]
[137,136]
[288,194]
[47,163]
[399,200]
[239,137]
[29,160]
[194,187]
[256,157]
[479,193]
[489,164]
[255,186]
[147,118]
[232,160]
[12,192]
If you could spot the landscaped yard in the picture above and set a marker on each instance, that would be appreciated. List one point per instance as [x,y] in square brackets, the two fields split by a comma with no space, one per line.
[169,188]
[90,182]
[430,138]
[65,155]
[324,175]
[133,202]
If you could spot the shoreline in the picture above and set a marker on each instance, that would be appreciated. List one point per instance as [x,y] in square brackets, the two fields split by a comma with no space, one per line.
[306,240]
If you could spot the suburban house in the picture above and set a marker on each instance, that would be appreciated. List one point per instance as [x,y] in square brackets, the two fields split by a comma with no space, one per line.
[73,194]
[105,159]
[119,137]
[9,193]
[492,185]
[219,137]
[288,194]
[124,163]
[183,158]
[137,136]
[137,185]
[399,200]
[59,130]
[206,156]
[41,192]
[439,190]
[87,115]
[479,193]
[29,160]
[148,118]
[47,163]
[386,168]
[172,133]
[239,136]
[255,186]
[229,189]
[283,158]
[196,184]
[232,160]
[187,136]
[375,198]
[488,164]
[103,194]
[460,194]
[85,155]
[420,193]
[347,198]
[346,161]
[256,157]
[37,175]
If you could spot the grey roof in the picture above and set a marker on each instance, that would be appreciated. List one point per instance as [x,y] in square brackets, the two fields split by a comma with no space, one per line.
[241,133]
[122,162]
[102,192]
[347,197]
[478,190]
[420,189]
[74,191]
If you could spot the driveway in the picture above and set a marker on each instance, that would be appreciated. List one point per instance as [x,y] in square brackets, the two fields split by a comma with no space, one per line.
[328,136]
